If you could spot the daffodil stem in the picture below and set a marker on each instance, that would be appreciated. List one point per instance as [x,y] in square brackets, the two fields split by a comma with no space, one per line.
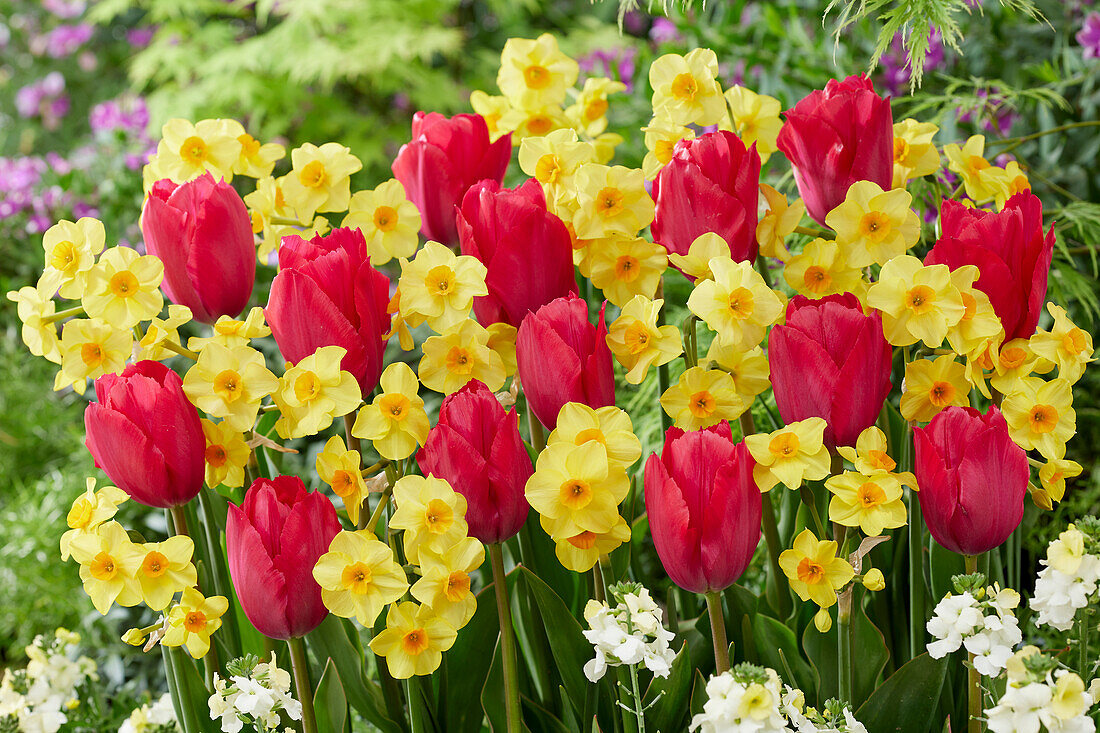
[811,232]
[507,640]
[177,349]
[281,221]
[916,548]
[181,700]
[62,315]
[302,684]
[844,648]
[807,496]
[383,501]
[598,584]
[718,632]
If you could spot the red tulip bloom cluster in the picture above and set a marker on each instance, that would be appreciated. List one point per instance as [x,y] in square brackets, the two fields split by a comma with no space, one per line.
[1011,252]
[563,358]
[830,360]
[273,541]
[712,184]
[972,479]
[146,435]
[444,158]
[327,294]
[835,137]
[704,507]
[525,248]
[477,449]
[202,233]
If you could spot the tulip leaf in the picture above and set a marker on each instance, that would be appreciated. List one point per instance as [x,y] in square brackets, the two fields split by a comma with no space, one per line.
[669,696]
[905,702]
[467,666]
[868,647]
[492,693]
[329,703]
[333,640]
[943,564]
[777,647]
[698,693]
[541,719]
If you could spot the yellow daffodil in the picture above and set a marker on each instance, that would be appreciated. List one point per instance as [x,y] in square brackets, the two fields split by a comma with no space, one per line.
[932,386]
[609,426]
[1015,361]
[107,566]
[388,220]
[814,570]
[1053,475]
[163,569]
[979,322]
[696,263]
[749,369]
[229,383]
[414,640]
[502,340]
[313,392]
[161,331]
[821,269]
[492,108]
[701,398]
[459,355]
[33,306]
[873,226]
[358,577]
[1064,344]
[778,223]
[231,333]
[553,160]
[226,455]
[582,551]
[661,136]
[638,343]
[71,249]
[983,182]
[533,122]
[267,203]
[90,510]
[320,179]
[915,155]
[123,288]
[610,200]
[588,114]
[736,304]
[623,267]
[918,302]
[188,150]
[339,468]
[575,489]
[445,580]
[1040,415]
[90,348]
[872,503]
[432,514]
[1015,182]
[193,620]
[755,119]
[685,89]
[395,421]
[870,458]
[534,72]
[605,146]
[257,159]
[790,455]
[439,286]
[980,360]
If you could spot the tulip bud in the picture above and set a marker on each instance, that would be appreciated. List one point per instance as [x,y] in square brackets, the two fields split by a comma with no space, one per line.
[835,137]
[561,357]
[477,449]
[823,620]
[712,184]
[526,250]
[1011,253]
[273,541]
[704,507]
[873,580]
[972,479]
[830,360]
[202,233]
[146,436]
[444,158]
[328,294]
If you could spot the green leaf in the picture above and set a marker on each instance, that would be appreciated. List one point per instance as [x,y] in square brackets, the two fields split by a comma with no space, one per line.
[332,640]
[669,696]
[943,564]
[329,703]
[905,701]
[777,648]
[698,693]
[492,693]
[468,665]
[869,651]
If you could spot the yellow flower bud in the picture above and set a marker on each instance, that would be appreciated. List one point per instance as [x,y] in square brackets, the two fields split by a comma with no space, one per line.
[823,620]
[134,637]
[873,580]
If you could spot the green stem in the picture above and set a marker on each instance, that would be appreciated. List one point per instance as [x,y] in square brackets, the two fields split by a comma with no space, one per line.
[301,683]
[973,679]
[507,640]
[177,349]
[598,583]
[638,709]
[63,314]
[662,369]
[210,659]
[383,501]
[536,430]
[916,550]
[1083,644]
[771,538]
[222,584]
[807,496]
[416,705]
[690,340]
[811,232]
[181,701]
[1051,131]
[718,632]
[844,647]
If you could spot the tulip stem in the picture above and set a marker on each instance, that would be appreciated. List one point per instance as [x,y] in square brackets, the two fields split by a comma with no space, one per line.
[718,632]
[691,342]
[507,640]
[301,683]
[844,646]
[63,314]
[598,586]
[973,679]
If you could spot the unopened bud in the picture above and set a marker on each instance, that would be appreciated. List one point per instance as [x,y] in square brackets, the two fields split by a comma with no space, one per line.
[823,620]
[873,580]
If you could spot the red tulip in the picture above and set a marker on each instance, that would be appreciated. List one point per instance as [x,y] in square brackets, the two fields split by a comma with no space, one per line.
[830,360]
[561,358]
[704,507]
[444,158]
[477,449]
[972,479]
[273,541]
[1011,252]
[202,233]
[526,249]
[146,435]
[835,137]
[712,184]
[327,294]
